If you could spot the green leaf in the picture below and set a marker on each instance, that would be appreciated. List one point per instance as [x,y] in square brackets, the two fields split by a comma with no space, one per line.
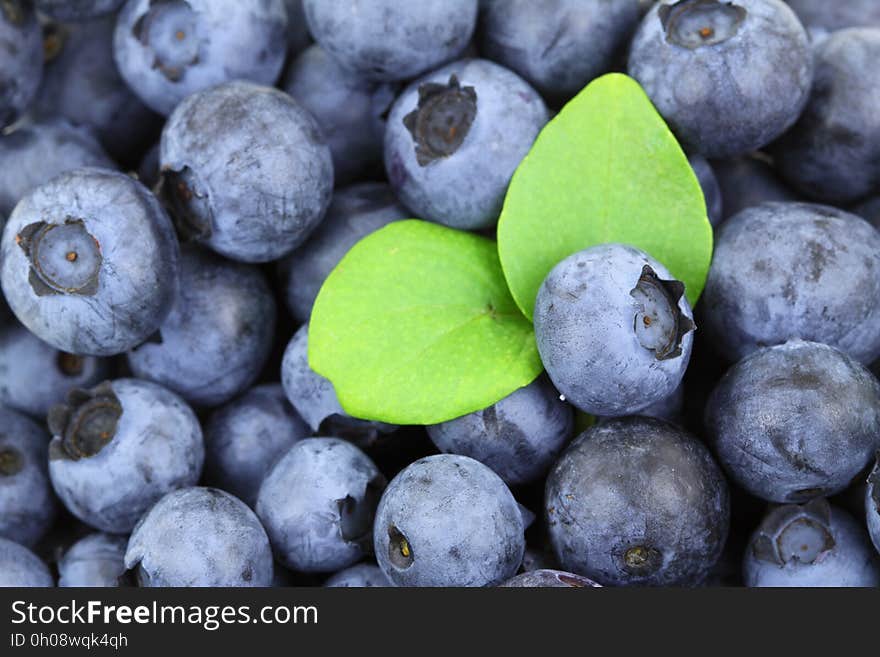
[605,169]
[416,326]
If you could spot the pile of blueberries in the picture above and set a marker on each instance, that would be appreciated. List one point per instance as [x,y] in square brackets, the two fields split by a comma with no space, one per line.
[170,216]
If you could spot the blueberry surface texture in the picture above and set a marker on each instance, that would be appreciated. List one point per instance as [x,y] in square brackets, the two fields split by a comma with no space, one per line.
[709,185]
[362,575]
[90,262]
[199,537]
[167,50]
[275,187]
[216,339]
[555,579]
[810,545]
[389,40]
[637,501]
[97,560]
[796,421]
[118,448]
[77,10]
[448,520]
[19,567]
[21,52]
[747,181]
[728,77]
[614,330]
[872,505]
[454,139]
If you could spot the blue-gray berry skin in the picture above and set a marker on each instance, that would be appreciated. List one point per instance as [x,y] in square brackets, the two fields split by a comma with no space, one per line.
[794,270]
[298,37]
[795,421]
[97,560]
[747,181]
[813,545]
[709,185]
[833,153]
[77,10]
[315,400]
[215,341]
[21,51]
[518,437]
[362,575]
[558,46]
[199,537]
[244,439]
[345,106]
[872,505]
[448,520]
[19,567]
[728,77]
[34,375]
[27,503]
[549,579]
[832,16]
[118,448]
[390,40]
[34,153]
[669,408]
[82,85]
[614,330]
[354,213]
[637,501]
[90,262]
[454,139]
[276,181]
[317,504]
[168,50]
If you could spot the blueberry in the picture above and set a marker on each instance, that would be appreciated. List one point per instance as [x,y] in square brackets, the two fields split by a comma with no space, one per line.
[729,77]
[448,520]
[872,505]
[169,49]
[538,559]
[388,40]
[119,447]
[614,330]
[27,504]
[709,185]
[90,262]
[34,153]
[276,182]
[200,537]
[34,376]
[245,438]
[97,560]
[558,46]
[823,16]
[362,575]
[833,153]
[549,579]
[21,51]
[814,544]
[795,421]
[747,181]
[82,85]
[637,501]
[217,338]
[298,37]
[794,270]
[454,139]
[19,567]
[354,213]
[669,408]
[344,105]
[77,10]
[148,168]
[518,437]
[315,400]
[317,505]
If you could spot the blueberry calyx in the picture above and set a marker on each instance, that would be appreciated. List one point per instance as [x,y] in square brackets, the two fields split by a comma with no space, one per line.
[13,11]
[400,552]
[11,462]
[441,120]
[799,533]
[54,37]
[167,28]
[659,323]
[85,424]
[70,364]
[64,258]
[356,515]
[187,203]
[642,560]
[696,23]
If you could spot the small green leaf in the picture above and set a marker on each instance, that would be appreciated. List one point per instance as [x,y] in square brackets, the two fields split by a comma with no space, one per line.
[416,326]
[605,169]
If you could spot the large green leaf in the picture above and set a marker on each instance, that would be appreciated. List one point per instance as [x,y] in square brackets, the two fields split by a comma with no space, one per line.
[416,326]
[605,169]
